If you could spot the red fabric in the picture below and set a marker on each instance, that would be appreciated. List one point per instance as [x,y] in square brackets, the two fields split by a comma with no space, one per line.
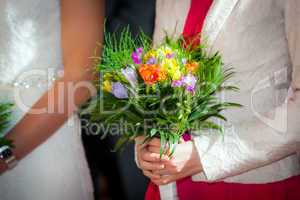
[152,192]
[288,189]
[283,190]
[195,20]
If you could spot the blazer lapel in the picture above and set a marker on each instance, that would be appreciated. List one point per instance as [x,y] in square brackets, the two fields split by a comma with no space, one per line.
[217,15]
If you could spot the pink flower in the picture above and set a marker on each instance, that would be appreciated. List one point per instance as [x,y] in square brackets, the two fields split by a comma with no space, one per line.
[189,82]
[137,56]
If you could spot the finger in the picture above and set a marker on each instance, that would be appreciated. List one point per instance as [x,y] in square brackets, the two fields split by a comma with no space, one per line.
[151,166]
[167,170]
[156,181]
[161,172]
[174,177]
[140,141]
[154,142]
[170,164]
[150,175]
[152,157]
[154,149]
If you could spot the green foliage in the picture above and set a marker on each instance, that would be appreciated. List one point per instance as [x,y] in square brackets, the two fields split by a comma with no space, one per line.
[117,49]
[161,110]
[5,114]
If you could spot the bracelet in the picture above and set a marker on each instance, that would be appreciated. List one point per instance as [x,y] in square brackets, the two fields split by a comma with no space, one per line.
[8,157]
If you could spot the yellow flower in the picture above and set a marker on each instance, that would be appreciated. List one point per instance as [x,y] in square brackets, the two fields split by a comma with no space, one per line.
[107,76]
[150,54]
[106,86]
[162,75]
[176,75]
[172,67]
[165,51]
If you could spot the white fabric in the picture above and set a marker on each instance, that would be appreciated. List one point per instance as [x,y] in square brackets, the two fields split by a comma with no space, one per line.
[261,40]
[30,39]
[170,18]
[261,142]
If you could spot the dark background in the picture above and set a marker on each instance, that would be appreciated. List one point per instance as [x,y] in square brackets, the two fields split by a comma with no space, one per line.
[115,175]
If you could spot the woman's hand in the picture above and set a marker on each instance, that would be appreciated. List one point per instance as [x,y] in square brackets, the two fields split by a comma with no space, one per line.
[183,163]
[147,161]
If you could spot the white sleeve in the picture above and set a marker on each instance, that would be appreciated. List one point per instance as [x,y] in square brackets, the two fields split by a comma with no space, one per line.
[253,144]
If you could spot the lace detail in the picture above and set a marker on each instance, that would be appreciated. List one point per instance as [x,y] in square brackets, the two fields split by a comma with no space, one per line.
[29,37]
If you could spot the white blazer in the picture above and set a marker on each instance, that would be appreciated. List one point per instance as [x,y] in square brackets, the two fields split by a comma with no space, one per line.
[261,40]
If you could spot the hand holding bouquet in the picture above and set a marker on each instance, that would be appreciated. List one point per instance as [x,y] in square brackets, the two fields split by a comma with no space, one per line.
[159,91]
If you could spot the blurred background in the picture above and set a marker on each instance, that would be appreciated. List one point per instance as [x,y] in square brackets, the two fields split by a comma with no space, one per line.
[115,175]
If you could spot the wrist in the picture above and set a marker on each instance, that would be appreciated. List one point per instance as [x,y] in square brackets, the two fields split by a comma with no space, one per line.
[7,158]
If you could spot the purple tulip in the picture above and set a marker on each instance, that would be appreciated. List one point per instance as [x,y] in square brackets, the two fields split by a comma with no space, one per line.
[151,61]
[137,56]
[177,83]
[190,83]
[190,89]
[119,90]
[170,55]
[130,75]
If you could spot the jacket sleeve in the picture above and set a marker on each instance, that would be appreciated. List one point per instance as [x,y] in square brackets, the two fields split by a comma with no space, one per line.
[252,144]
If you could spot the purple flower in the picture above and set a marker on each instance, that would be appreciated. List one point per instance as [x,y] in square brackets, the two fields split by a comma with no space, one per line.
[137,56]
[130,75]
[119,90]
[151,61]
[139,50]
[170,55]
[190,89]
[177,83]
[190,83]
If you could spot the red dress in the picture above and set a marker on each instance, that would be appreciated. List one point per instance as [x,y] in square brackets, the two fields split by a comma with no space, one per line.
[288,189]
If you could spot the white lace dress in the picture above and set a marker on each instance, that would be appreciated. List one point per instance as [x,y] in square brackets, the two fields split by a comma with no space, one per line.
[30,57]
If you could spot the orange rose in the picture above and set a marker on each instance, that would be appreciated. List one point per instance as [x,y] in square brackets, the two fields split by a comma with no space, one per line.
[192,67]
[151,73]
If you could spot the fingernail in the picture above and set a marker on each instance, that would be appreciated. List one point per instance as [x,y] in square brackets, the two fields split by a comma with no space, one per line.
[162,166]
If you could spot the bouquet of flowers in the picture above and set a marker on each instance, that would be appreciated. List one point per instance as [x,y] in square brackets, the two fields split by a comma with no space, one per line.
[5,113]
[158,91]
